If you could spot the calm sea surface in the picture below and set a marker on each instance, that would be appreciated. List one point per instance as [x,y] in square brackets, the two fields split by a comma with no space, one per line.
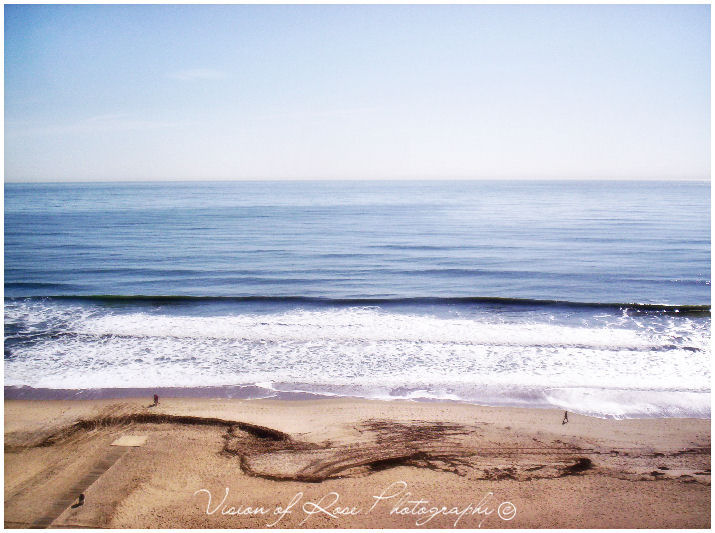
[592,296]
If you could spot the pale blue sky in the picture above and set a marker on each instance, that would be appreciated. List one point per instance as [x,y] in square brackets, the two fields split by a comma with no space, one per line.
[319,92]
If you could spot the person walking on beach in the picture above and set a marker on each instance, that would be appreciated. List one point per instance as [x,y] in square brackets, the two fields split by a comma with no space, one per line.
[156,400]
[566,418]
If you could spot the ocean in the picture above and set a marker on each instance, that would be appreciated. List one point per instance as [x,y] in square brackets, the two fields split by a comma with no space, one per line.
[589,296]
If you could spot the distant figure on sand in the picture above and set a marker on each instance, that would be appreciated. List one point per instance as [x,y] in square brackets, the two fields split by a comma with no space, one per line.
[564,421]
[156,399]
[79,501]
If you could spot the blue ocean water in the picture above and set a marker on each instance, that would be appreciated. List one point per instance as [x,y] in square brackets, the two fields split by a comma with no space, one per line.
[592,296]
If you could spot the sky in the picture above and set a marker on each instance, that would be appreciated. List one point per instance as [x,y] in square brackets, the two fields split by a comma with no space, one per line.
[180,92]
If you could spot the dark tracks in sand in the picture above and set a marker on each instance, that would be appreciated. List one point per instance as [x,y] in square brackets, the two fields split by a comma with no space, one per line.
[436,446]
[91,424]
[271,454]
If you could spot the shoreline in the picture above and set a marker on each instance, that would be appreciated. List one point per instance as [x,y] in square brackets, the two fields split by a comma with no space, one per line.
[260,393]
[225,392]
[589,472]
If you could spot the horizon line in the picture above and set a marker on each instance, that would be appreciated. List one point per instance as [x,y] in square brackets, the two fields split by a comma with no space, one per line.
[306,179]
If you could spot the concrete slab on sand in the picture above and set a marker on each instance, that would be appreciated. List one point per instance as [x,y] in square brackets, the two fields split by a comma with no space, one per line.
[130,440]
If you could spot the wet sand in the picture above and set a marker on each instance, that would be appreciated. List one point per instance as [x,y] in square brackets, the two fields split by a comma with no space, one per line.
[346,463]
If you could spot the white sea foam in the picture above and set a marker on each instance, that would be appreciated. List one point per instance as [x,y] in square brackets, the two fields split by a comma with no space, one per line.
[609,366]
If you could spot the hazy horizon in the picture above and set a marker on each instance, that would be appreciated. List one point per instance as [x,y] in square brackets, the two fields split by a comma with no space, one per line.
[373,92]
[375,179]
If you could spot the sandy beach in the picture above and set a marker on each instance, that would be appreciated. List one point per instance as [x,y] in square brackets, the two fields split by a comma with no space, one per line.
[346,463]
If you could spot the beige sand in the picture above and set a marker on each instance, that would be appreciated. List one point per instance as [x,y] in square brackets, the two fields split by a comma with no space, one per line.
[348,464]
